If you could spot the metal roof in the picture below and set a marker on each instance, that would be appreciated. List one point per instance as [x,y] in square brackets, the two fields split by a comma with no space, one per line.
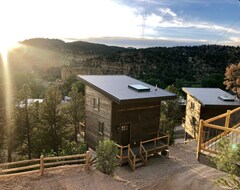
[210,96]
[116,87]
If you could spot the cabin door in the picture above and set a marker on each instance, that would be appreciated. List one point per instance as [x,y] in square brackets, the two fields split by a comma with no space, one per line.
[125,134]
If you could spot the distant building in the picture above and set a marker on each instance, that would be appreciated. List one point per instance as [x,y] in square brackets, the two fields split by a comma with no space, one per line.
[66,99]
[30,102]
[122,109]
[204,103]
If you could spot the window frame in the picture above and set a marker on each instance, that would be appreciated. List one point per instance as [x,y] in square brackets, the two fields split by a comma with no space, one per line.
[192,105]
[101,127]
[96,103]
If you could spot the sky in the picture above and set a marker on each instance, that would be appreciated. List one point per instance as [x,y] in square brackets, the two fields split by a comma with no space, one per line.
[127,23]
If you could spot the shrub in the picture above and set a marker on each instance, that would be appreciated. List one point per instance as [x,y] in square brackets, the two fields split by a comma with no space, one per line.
[71,148]
[106,156]
[226,160]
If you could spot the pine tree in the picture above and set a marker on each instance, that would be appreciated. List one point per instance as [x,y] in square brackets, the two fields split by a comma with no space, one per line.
[23,119]
[53,120]
[76,108]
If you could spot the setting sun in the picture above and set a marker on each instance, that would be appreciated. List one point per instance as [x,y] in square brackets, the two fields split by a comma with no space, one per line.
[6,45]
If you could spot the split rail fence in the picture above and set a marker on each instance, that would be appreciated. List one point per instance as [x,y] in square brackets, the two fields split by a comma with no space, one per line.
[43,163]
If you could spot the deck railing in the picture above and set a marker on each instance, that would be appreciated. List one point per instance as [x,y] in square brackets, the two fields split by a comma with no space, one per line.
[131,158]
[143,153]
[126,154]
[41,164]
[160,142]
[213,129]
[120,154]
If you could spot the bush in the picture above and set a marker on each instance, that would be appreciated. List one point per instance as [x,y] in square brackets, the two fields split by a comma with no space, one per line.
[71,148]
[106,156]
[226,160]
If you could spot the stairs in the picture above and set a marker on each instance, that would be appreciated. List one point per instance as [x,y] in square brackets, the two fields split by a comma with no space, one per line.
[139,162]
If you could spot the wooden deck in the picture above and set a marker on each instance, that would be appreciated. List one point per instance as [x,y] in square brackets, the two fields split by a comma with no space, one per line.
[138,155]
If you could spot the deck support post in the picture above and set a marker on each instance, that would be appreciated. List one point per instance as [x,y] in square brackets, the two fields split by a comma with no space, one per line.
[155,145]
[200,132]
[121,154]
[227,121]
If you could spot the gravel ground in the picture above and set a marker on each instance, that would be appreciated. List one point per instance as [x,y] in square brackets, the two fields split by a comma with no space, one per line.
[180,171]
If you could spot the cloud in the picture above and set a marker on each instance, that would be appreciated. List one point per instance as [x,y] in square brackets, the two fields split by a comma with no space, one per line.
[235,39]
[167,11]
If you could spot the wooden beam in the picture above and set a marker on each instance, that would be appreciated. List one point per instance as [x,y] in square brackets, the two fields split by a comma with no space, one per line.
[221,128]
[138,108]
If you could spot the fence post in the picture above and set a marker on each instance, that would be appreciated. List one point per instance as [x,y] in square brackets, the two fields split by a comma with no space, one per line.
[199,138]
[41,165]
[87,166]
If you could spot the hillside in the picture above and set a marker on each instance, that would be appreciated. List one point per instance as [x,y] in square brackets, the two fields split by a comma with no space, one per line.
[183,66]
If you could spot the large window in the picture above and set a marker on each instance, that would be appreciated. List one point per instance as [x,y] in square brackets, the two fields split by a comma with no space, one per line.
[101,128]
[96,103]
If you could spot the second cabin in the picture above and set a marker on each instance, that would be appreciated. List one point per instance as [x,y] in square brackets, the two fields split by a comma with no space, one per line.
[205,103]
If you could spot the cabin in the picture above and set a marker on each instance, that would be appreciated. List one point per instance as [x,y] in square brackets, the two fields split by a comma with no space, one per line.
[122,109]
[205,103]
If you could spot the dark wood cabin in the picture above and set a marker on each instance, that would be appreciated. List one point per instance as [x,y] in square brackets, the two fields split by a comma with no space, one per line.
[122,109]
[205,103]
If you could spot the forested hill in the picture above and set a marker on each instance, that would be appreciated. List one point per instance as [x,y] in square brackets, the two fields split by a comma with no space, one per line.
[76,47]
[183,66]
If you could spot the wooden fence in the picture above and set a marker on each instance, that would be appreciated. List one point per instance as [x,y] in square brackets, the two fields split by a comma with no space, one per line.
[213,129]
[41,164]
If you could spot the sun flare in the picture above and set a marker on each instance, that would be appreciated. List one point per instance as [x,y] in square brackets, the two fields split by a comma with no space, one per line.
[5,46]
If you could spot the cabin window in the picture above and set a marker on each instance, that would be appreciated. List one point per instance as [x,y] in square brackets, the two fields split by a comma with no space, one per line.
[192,106]
[96,103]
[194,121]
[124,127]
[101,127]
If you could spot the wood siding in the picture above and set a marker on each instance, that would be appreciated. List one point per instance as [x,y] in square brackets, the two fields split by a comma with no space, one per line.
[192,118]
[143,118]
[93,117]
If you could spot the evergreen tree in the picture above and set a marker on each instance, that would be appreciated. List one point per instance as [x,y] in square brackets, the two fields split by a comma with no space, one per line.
[23,120]
[170,114]
[2,128]
[76,108]
[53,120]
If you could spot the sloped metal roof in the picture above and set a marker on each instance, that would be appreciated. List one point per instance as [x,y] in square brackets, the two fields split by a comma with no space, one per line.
[210,96]
[116,87]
